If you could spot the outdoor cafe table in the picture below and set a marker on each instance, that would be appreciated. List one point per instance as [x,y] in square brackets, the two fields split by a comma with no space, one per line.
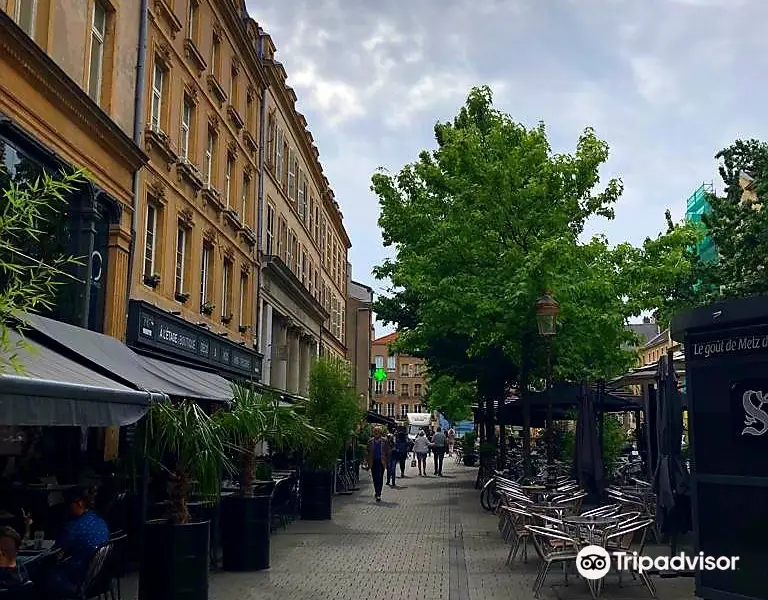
[535,491]
[36,559]
[556,509]
[591,524]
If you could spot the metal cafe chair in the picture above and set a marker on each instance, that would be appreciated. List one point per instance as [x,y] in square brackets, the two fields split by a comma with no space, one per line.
[552,546]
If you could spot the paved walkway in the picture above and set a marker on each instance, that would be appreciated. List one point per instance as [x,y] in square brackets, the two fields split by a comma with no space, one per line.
[427,540]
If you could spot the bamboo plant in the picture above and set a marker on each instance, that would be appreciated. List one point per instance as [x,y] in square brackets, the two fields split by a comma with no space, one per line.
[199,446]
[258,416]
[333,406]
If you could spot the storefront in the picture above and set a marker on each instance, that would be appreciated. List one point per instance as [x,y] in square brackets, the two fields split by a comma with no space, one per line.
[164,336]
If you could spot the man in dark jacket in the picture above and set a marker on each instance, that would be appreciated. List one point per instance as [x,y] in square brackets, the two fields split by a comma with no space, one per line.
[377,459]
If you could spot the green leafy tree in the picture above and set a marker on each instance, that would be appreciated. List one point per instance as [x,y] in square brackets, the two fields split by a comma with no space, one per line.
[487,222]
[481,226]
[31,203]
[738,224]
[333,408]
[452,398]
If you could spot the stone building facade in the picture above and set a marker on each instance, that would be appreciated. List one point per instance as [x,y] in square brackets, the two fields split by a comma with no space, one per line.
[197,223]
[360,333]
[303,243]
[405,387]
[67,92]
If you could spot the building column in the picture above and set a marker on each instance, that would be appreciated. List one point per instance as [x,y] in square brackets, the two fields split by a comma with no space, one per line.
[118,272]
[265,343]
[294,361]
[279,354]
[307,350]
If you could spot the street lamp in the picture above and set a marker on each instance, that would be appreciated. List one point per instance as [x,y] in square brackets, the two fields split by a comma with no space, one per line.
[547,310]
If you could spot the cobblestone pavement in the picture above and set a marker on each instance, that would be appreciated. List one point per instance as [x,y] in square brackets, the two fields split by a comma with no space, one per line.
[427,540]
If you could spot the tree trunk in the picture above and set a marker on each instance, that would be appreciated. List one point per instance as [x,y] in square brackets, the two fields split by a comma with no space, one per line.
[178,493]
[524,375]
[248,473]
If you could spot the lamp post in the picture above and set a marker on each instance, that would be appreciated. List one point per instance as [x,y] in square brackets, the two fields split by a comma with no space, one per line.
[547,310]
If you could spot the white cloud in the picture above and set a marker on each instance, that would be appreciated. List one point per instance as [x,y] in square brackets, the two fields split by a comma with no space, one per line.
[667,83]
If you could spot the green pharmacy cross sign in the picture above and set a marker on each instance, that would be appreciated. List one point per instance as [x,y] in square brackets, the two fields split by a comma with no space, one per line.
[379,374]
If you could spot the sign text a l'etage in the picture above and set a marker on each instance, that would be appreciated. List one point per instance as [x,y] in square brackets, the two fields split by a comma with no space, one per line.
[150,327]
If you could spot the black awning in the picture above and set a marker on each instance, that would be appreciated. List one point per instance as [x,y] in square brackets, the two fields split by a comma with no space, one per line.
[378,419]
[114,359]
[54,390]
[195,381]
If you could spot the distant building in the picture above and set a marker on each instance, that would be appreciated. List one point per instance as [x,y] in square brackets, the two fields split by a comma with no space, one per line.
[645,331]
[360,334]
[403,390]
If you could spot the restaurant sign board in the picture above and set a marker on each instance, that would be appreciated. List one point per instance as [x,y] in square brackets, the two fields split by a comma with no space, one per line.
[154,329]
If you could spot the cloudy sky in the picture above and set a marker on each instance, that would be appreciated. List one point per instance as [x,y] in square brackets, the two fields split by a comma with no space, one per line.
[667,83]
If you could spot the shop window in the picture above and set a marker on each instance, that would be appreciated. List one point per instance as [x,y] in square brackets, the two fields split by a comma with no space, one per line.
[270,237]
[150,242]
[243,301]
[210,154]
[192,20]
[24,13]
[96,61]
[228,180]
[182,254]
[302,196]
[185,137]
[215,56]
[226,290]
[206,268]
[246,192]
[280,156]
[292,167]
[158,96]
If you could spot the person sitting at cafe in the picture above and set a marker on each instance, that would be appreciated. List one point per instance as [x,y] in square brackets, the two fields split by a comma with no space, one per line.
[12,574]
[76,544]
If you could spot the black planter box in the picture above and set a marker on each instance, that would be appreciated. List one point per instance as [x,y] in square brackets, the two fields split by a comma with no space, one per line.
[726,354]
[175,561]
[316,495]
[470,460]
[245,532]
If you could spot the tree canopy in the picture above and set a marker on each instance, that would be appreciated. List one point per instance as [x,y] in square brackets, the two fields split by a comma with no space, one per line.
[487,222]
[738,226]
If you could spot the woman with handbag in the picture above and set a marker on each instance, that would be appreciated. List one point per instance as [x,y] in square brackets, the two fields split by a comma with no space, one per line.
[420,449]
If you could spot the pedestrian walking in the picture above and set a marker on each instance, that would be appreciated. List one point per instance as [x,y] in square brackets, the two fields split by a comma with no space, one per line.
[401,450]
[392,462]
[439,445]
[451,441]
[420,449]
[377,459]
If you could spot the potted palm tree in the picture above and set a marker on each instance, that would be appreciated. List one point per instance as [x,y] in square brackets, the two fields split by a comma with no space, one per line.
[190,446]
[246,516]
[468,449]
[332,406]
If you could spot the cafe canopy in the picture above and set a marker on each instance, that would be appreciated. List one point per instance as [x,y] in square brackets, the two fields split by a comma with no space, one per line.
[54,390]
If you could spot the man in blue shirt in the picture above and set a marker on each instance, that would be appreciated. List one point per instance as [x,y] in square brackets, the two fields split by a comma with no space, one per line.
[377,459]
[76,544]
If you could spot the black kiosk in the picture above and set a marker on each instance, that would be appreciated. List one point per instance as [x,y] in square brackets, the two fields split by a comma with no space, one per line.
[726,354]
